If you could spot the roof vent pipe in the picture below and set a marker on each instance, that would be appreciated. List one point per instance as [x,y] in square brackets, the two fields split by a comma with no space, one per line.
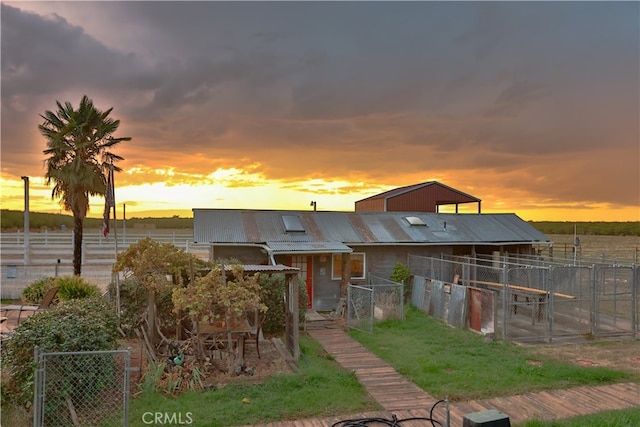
[445,226]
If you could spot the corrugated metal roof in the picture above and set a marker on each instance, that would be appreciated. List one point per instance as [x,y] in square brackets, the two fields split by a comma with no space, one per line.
[259,268]
[359,228]
[308,247]
[402,190]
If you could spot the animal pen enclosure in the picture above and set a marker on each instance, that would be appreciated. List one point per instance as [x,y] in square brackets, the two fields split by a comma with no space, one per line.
[527,298]
[380,299]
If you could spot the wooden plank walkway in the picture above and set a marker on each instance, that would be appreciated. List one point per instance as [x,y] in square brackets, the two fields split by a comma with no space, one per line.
[399,397]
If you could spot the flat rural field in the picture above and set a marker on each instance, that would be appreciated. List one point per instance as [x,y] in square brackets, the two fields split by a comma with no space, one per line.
[614,248]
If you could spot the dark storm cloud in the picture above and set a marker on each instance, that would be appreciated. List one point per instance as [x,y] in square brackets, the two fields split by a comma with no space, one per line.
[353,88]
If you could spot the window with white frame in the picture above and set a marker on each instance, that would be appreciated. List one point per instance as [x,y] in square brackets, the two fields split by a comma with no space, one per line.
[357,266]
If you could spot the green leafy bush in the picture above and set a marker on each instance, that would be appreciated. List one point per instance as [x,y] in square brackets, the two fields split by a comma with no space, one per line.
[34,293]
[133,302]
[75,287]
[133,306]
[76,325]
[273,290]
[159,268]
[401,274]
[69,287]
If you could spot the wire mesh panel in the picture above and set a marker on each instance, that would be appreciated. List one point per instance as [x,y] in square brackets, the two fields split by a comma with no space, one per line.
[615,302]
[82,388]
[572,301]
[527,303]
[360,308]
[388,298]
[535,300]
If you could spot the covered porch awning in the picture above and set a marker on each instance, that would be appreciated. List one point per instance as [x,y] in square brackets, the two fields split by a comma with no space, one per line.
[308,248]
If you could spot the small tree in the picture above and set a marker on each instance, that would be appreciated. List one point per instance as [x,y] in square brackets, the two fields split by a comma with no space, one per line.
[158,267]
[79,150]
[215,296]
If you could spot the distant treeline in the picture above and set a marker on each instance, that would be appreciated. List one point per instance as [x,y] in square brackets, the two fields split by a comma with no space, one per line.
[596,228]
[13,220]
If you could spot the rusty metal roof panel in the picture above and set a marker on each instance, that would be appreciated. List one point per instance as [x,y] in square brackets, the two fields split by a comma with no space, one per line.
[219,226]
[336,227]
[246,226]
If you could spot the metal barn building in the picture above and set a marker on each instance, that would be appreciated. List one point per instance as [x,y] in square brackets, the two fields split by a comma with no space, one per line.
[424,197]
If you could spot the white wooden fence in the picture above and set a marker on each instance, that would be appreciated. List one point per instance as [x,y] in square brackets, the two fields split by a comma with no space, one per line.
[51,254]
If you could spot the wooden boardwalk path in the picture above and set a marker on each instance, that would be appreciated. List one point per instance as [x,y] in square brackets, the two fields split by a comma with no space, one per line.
[398,396]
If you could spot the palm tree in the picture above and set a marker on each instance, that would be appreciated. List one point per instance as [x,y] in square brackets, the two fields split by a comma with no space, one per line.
[78,146]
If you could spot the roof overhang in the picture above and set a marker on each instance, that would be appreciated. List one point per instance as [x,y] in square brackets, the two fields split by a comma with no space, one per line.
[307,247]
[478,243]
[254,268]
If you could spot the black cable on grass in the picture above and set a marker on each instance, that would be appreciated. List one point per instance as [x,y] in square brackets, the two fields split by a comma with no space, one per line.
[393,422]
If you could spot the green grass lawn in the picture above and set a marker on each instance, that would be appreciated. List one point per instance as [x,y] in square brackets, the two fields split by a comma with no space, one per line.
[444,361]
[456,363]
[622,418]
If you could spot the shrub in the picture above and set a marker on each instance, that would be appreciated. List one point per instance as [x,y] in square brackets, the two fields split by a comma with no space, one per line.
[76,325]
[133,306]
[150,263]
[133,301]
[69,287]
[273,290]
[75,287]
[401,274]
[34,293]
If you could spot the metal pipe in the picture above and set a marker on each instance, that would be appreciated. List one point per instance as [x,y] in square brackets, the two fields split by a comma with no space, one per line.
[26,219]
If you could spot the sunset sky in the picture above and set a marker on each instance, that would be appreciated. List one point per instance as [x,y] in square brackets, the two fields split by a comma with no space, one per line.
[533,107]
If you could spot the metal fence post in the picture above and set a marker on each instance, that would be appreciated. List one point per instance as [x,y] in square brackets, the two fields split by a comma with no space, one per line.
[37,389]
[125,387]
[551,286]
[593,316]
[634,298]
[505,301]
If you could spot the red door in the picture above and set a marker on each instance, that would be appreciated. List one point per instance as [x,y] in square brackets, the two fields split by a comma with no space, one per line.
[304,263]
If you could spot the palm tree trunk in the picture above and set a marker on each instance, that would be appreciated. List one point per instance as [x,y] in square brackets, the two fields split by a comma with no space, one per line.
[77,245]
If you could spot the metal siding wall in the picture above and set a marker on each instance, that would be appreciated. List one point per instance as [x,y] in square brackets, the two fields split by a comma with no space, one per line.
[424,199]
[244,254]
[373,205]
[381,259]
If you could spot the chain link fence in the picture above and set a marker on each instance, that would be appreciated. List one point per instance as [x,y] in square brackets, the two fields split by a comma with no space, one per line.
[88,388]
[380,299]
[536,300]
[360,308]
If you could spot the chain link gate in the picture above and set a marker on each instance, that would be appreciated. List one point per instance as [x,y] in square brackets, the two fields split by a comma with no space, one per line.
[380,300]
[360,308]
[87,388]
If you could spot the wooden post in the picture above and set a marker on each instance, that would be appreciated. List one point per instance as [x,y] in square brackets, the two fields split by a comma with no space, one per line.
[293,321]
[346,274]
[151,314]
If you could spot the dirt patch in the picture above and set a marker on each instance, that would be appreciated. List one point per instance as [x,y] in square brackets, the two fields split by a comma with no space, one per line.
[620,355]
[255,369]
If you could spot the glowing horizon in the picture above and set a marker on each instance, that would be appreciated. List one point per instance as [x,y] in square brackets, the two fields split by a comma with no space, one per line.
[142,200]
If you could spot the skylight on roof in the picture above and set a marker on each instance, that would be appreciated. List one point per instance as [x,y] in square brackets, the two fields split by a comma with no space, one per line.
[414,220]
[292,223]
